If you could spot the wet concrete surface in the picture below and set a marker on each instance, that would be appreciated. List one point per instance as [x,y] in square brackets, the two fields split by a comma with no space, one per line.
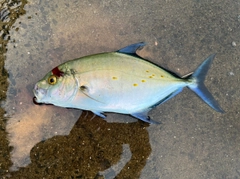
[193,141]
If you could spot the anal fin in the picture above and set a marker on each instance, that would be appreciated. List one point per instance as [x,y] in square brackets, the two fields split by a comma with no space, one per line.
[143,115]
[100,114]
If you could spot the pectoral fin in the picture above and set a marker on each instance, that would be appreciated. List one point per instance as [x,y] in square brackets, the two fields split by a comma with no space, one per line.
[85,91]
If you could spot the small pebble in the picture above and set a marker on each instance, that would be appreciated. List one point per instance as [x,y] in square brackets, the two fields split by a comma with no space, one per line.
[234,44]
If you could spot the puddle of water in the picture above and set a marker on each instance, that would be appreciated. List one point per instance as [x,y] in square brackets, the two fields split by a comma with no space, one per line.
[9,11]
[93,145]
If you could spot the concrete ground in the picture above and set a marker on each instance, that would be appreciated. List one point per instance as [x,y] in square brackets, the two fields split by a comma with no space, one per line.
[193,141]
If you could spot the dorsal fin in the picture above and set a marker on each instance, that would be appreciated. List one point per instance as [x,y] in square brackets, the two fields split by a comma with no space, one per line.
[131,49]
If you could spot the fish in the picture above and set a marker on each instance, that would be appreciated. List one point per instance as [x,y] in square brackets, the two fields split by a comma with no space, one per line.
[119,82]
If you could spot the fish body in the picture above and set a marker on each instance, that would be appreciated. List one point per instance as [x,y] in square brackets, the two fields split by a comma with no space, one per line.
[119,82]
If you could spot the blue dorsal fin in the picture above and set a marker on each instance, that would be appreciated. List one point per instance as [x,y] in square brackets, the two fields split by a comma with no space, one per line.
[131,49]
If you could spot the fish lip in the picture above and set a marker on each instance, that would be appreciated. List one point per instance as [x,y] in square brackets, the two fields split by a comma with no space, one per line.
[35,101]
[39,93]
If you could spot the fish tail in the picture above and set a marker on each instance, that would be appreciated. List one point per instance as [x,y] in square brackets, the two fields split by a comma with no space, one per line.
[197,84]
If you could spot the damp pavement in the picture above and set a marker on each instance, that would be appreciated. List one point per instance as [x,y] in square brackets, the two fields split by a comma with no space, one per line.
[193,141]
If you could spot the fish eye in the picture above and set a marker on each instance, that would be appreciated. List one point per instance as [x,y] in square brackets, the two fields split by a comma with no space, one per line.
[52,80]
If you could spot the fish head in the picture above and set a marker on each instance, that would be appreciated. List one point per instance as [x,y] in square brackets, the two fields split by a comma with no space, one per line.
[57,87]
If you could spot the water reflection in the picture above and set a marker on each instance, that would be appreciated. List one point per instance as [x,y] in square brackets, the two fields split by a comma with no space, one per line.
[93,145]
[26,127]
[9,12]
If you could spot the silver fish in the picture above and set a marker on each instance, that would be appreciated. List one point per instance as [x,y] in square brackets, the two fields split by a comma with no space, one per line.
[120,82]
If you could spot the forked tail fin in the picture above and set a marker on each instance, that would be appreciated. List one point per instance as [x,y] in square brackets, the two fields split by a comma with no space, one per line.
[198,86]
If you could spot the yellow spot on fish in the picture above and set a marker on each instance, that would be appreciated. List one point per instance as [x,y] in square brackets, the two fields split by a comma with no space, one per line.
[147,71]
[114,78]
[153,75]
[150,77]
[143,81]
[135,84]
[162,76]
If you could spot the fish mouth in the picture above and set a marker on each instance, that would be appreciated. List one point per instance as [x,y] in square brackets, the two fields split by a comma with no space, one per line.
[39,94]
[35,101]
